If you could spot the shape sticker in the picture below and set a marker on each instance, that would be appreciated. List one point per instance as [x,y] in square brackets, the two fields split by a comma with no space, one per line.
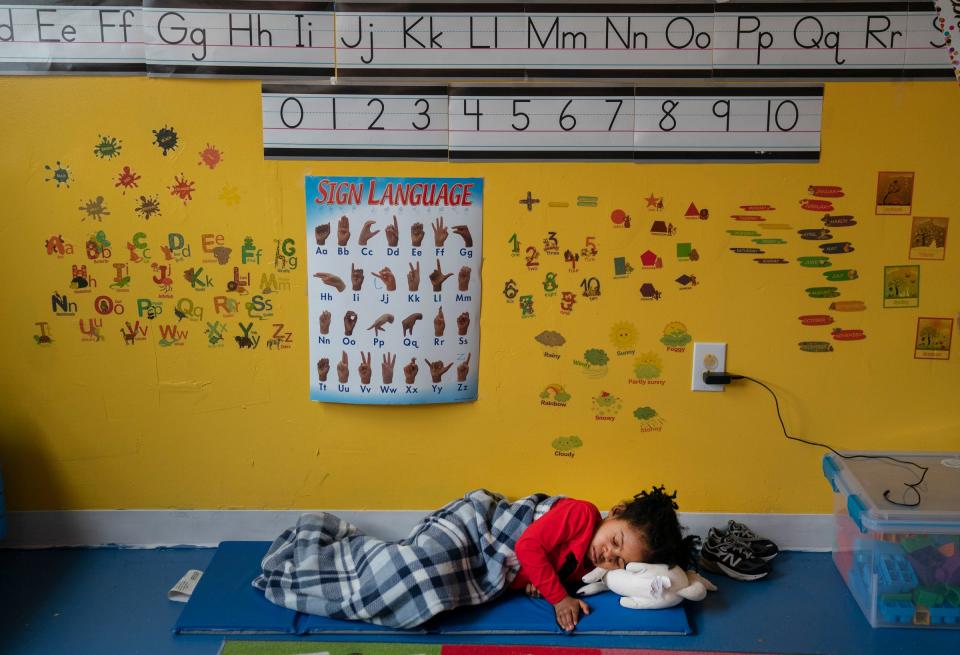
[687,282]
[686,252]
[649,259]
[554,395]
[620,218]
[693,212]
[894,193]
[650,421]
[654,203]
[649,292]
[928,237]
[933,338]
[621,267]
[662,228]
[675,337]
[901,286]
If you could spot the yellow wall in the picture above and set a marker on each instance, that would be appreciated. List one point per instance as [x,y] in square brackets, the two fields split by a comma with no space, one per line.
[104,425]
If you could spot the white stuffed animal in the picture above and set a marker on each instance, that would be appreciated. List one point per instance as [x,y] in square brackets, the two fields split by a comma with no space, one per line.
[647,586]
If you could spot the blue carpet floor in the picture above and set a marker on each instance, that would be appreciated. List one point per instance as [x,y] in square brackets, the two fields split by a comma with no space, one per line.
[113,602]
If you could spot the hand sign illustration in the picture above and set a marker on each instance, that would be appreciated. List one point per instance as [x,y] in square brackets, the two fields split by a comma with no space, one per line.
[367,232]
[463,324]
[386,276]
[349,322]
[413,277]
[464,232]
[378,324]
[410,371]
[437,369]
[321,232]
[437,278]
[323,367]
[393,233]
[386,367]
[343,230]
[409,322]
[440,233]
[364,368]
[439,323]
[325,322]
[356,277]
[464,369]
[343,368]
[331,280]
[463,278]
[416,234]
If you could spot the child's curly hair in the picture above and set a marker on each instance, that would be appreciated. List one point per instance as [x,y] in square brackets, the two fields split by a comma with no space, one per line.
[654,514]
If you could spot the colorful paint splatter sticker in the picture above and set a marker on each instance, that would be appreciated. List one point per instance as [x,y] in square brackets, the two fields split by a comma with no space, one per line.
[594,362]
[211,156]
[554,395]
[59,173]
[933,339]
[650,420]
[94,209]
[147,207]
[901,286]
[895,193]
[182,188]
[107,147]
[675,337]
[606,406]
[230,195]
[928,237]
[166,139]
[127,179]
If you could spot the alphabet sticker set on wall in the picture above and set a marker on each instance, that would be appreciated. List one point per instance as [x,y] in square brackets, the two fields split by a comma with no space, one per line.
[160,287]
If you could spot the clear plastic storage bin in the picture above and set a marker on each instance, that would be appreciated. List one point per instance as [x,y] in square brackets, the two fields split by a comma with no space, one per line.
[902,564]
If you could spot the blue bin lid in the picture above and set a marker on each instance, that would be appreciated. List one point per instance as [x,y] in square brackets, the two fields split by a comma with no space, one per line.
[864,482]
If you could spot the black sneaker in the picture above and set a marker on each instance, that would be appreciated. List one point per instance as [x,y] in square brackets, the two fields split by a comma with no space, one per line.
[722,554]
[762,548]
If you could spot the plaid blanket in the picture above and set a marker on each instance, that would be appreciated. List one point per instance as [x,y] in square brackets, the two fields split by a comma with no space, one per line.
[462,554]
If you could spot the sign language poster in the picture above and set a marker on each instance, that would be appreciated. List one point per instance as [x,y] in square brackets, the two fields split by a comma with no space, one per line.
[394,286]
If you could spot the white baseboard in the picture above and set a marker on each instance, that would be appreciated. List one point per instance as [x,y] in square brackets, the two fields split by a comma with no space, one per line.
[156,528]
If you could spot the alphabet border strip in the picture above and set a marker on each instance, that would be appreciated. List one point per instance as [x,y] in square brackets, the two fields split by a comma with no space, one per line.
[290,40]
[555,123]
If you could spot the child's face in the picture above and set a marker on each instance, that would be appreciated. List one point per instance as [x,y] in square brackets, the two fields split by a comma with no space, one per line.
[616,543]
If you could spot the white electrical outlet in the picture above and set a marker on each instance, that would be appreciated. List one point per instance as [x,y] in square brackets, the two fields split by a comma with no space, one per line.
[708,357]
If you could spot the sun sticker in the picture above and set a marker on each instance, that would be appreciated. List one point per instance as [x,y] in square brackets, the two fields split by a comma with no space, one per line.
[647,368]
[623,335]
[675,337]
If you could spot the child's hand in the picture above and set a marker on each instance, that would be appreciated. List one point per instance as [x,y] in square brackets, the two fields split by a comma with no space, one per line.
[568,612]
[532,591]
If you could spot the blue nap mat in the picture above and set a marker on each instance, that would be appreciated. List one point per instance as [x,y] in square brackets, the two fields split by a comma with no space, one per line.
[225,603]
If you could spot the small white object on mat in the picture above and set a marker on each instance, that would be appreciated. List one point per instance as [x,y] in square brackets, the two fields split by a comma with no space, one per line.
[182,591]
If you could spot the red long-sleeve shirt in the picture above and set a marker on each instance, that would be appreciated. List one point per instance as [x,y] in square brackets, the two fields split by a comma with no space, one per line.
[554,548]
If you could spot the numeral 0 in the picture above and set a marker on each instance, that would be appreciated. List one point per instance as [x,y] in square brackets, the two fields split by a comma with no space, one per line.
[776,115]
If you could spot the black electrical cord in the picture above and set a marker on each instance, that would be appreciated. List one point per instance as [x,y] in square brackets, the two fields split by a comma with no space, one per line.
[886,493]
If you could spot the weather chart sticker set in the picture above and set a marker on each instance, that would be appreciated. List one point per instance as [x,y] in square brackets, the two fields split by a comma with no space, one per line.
[394,289]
